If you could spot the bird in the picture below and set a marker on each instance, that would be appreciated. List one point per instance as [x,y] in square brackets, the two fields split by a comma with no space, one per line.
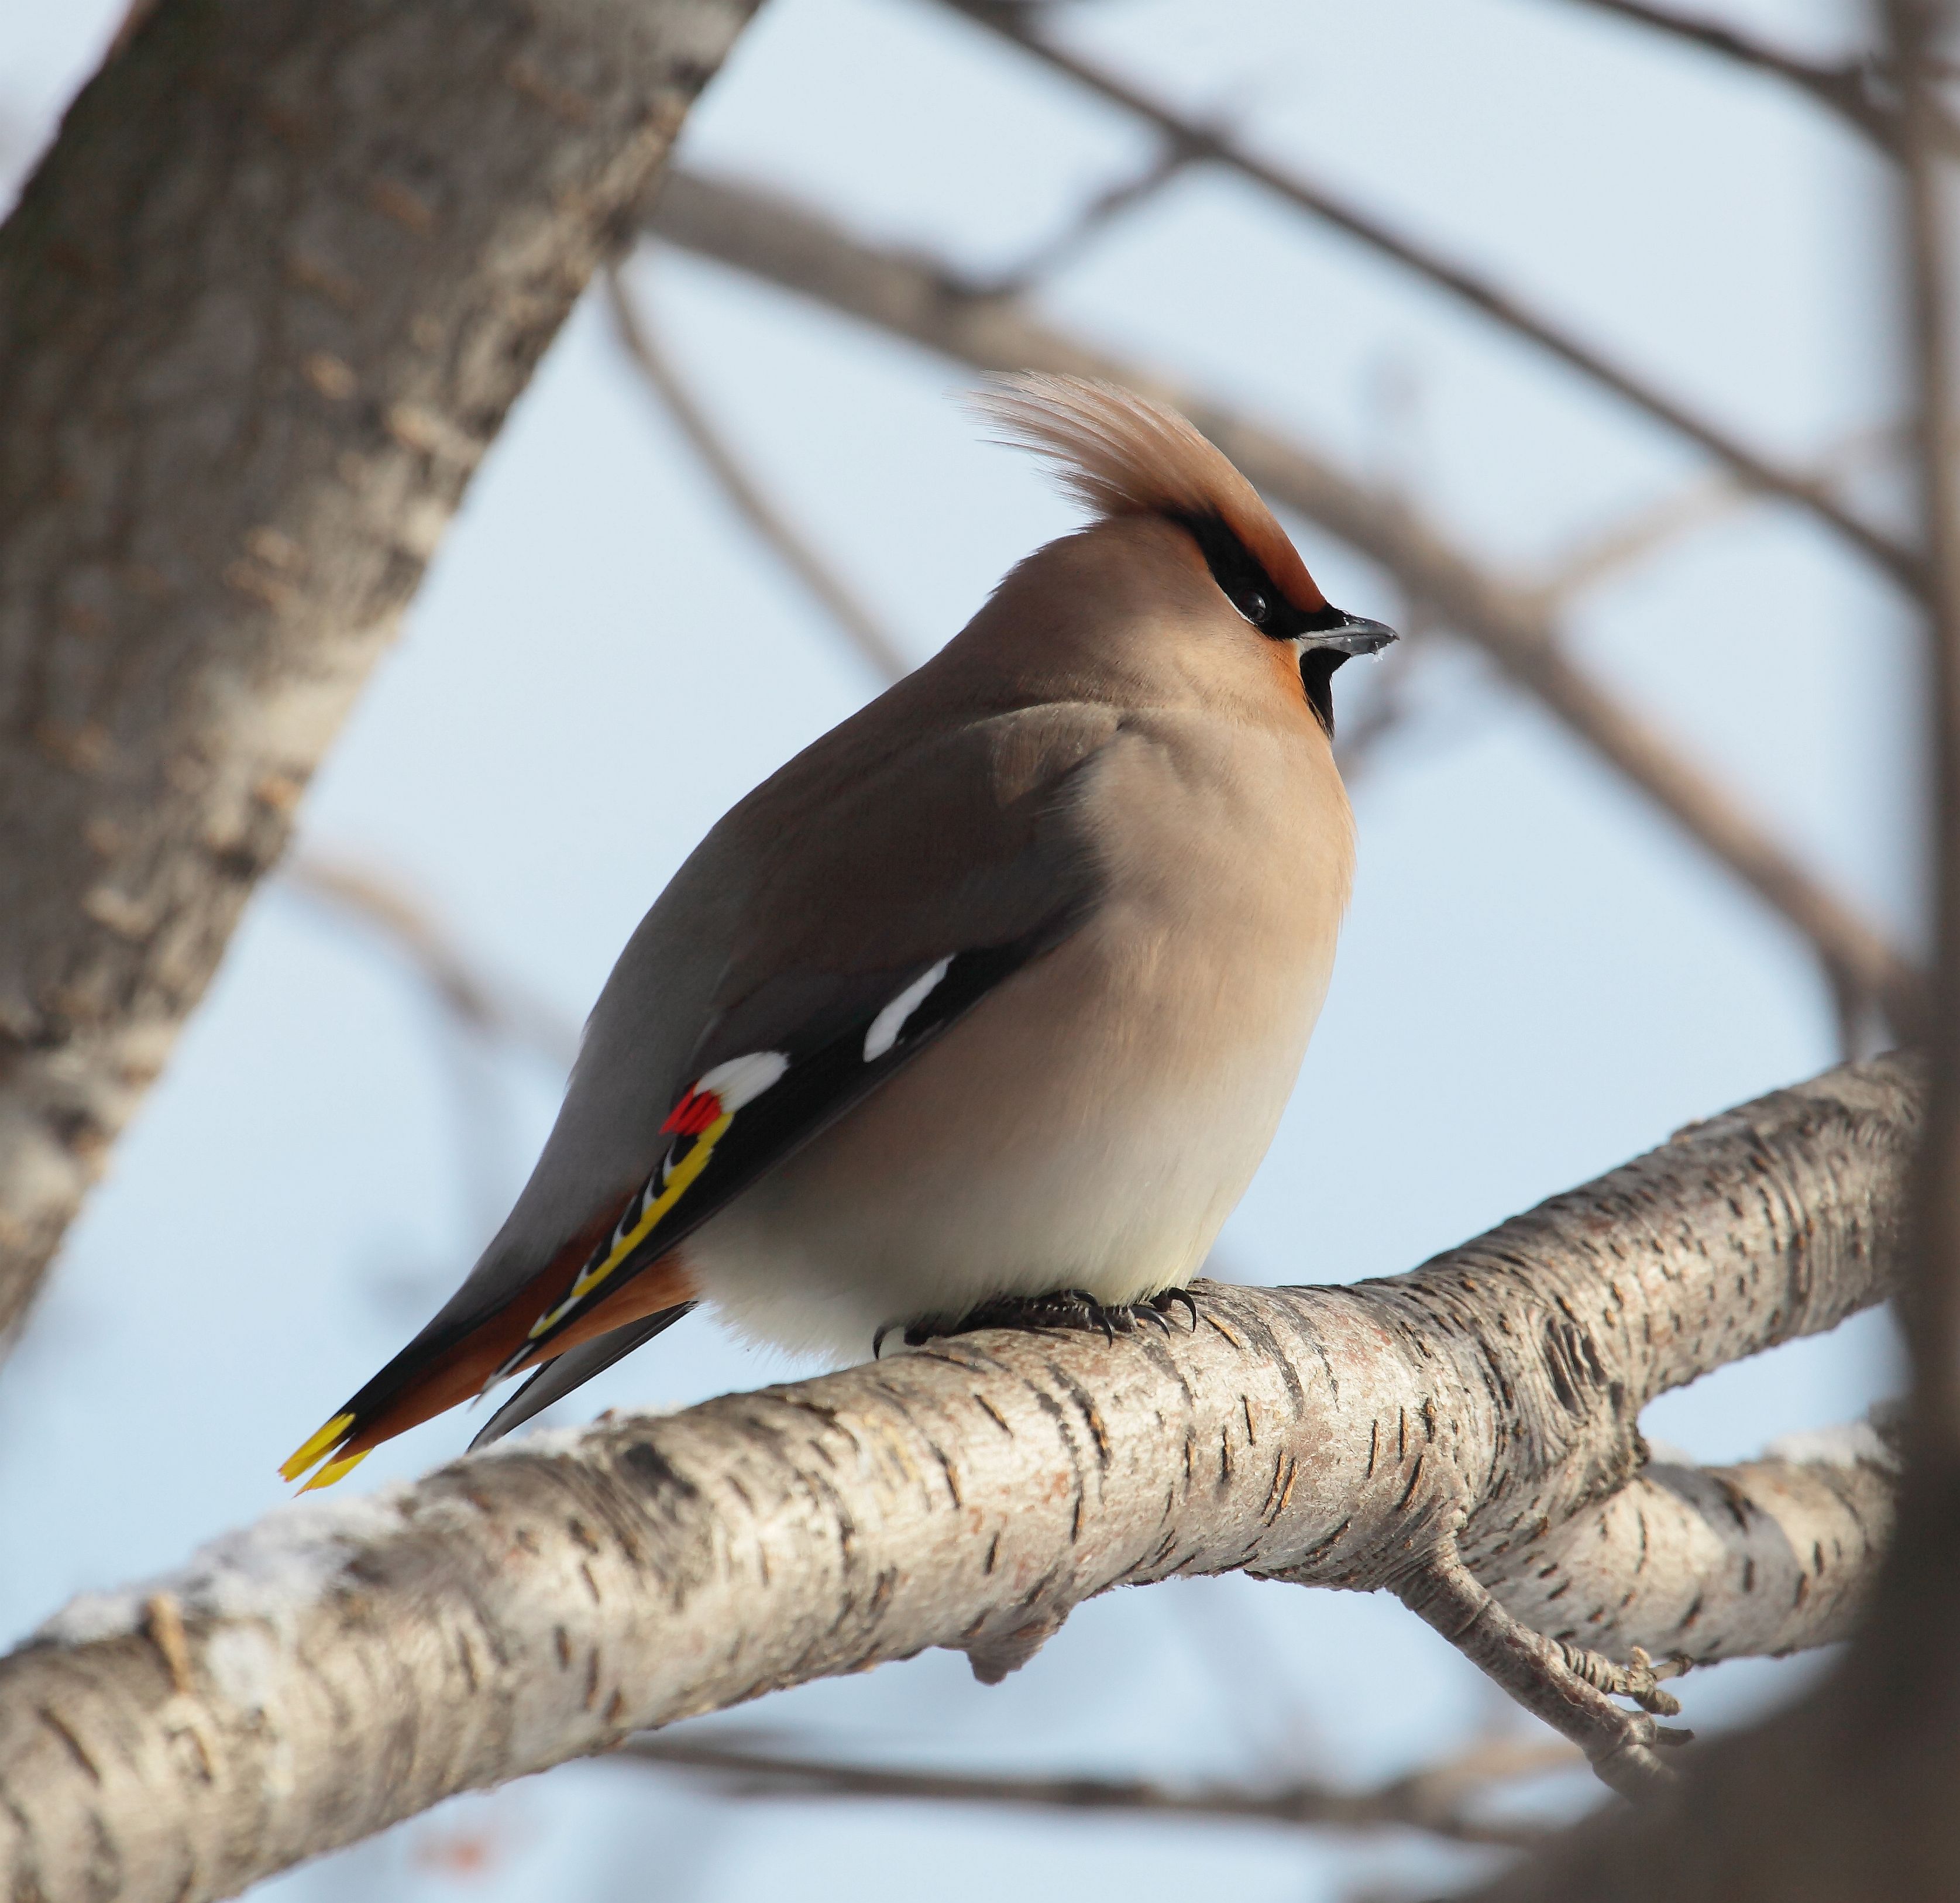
[983,1009]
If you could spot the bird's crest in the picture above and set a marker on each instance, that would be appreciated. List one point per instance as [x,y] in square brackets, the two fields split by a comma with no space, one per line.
[1118,453]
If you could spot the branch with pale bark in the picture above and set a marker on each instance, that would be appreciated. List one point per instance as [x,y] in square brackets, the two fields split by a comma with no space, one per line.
[1464,1436]
[263,306]
[912,297]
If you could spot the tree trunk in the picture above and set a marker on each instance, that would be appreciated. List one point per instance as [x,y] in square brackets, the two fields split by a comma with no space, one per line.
[262,308]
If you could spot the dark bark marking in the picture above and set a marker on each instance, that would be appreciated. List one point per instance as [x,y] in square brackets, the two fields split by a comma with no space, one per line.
[52,1720]
[946,1467]
[1408,1492]
[655,1474]
[1085,1405]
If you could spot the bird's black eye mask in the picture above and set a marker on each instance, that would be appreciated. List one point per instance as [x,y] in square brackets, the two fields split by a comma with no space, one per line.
[1250,589]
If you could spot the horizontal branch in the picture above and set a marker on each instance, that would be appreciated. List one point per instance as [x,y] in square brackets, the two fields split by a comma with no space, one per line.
[1437,1799]
[913,297]
[1192,140]
[346,1664]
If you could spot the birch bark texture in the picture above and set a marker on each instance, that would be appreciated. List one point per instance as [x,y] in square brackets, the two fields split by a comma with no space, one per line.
[263,306]
[347,1664]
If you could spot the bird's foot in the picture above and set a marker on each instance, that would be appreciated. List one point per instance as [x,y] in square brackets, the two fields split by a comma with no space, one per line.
[1065,1309]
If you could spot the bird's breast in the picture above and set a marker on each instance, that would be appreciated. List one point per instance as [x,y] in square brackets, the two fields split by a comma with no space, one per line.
[1090,1123]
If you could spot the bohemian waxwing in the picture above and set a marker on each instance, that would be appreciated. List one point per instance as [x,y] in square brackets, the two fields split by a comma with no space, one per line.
[996,991]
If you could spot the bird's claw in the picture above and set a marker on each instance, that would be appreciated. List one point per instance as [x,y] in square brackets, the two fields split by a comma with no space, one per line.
[1068,1308]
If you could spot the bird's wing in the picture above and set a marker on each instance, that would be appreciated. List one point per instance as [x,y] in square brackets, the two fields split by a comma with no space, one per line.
[859,907]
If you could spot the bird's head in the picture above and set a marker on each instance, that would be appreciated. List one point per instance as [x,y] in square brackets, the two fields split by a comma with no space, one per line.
[1121,456]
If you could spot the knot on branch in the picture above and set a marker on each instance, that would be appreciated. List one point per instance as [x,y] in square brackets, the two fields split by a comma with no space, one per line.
[1640,1679]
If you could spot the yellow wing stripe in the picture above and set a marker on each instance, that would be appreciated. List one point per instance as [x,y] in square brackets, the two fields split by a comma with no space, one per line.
[301,1459]
[685,1171]
[676,1186]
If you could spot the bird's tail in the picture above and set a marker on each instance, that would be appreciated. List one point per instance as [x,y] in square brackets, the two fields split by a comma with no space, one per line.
[447,1365]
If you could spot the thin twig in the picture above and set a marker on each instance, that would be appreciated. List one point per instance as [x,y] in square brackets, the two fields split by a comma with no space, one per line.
[832,593]
[1432,1799]
[1571,1689]
[1100,211]
[914,297]
[1845,88]
[1507,310]
[483,1004]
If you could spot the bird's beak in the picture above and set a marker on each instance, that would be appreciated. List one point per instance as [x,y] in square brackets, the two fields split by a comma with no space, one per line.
[1353,634]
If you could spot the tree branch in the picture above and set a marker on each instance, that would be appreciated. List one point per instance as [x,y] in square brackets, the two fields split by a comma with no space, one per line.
[1503,308]
[263,306]
[913,298]
[482,1002]
[1849,1793]
[345,1665]
[1845,89]
[1434,1799]
[837,598]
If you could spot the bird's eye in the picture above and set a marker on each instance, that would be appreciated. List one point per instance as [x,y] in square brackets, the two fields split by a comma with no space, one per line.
[1252,605]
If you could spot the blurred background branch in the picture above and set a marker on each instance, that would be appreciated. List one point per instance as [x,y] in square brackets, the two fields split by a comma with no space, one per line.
[904,293]
[1192,141]
[1448,1798]
[840,602]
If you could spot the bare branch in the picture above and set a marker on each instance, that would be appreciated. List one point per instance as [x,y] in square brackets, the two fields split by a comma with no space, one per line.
[262,306]
[839,601]
[1846,89]
[1101,211]
[1594,557]
[489,1005]
[523,1607]
[1435,1798]
[1502,307]
[1849,1793]
[912,297]
[1551,1682]
[1856,89]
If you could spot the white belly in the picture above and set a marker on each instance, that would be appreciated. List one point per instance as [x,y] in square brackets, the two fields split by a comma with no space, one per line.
[1091,1123]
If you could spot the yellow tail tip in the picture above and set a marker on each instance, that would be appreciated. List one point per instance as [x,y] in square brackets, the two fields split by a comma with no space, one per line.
[335,1470]
[308,1452]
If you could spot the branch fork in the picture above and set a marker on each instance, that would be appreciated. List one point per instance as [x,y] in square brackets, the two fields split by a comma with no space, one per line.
[1573,1690]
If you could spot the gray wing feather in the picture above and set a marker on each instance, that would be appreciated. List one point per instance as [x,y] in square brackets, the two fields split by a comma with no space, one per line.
[856,859]
[573,1369]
